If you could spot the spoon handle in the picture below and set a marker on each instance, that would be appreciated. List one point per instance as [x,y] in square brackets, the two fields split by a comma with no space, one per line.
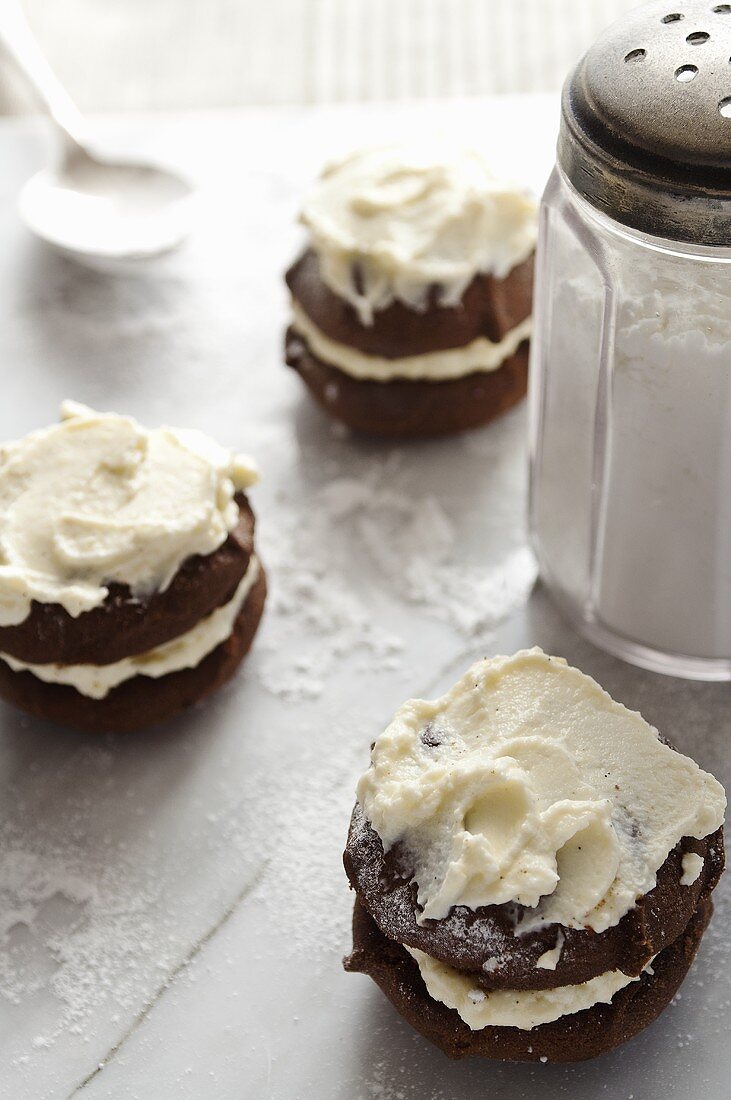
[21,46]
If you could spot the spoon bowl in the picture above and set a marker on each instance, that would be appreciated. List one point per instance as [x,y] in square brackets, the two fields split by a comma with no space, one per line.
[94,208]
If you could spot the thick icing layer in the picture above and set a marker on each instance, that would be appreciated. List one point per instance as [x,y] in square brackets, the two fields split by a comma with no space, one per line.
[391,223]
[437,366]
[527,783]
[98,498]
[525,1009]
[186,651]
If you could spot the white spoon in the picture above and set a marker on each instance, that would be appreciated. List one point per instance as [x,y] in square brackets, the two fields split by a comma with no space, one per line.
[87,205]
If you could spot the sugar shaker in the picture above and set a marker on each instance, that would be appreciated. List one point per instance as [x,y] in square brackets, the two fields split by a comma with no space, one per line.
[630,394]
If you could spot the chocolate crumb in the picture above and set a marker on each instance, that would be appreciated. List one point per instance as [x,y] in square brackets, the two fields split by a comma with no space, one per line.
[431,738]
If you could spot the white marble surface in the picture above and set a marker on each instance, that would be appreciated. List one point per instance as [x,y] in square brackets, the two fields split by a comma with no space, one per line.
[173,908]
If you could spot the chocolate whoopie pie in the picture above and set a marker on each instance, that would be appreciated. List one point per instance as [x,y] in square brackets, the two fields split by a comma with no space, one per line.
[533,864]
[129,583]
[412,302]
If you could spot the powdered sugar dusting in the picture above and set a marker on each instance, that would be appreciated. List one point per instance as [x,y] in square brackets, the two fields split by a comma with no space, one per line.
[416,548]
[79,919]
[345,556]
[304,889]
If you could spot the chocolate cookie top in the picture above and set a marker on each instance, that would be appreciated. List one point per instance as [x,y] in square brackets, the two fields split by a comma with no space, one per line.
[98,501]
[483,941]
[489,308]
[389,224]
[125,624]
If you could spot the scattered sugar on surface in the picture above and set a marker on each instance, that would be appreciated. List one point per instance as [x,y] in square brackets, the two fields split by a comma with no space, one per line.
[79,919]
[345,554]
[415,547]
[304,889]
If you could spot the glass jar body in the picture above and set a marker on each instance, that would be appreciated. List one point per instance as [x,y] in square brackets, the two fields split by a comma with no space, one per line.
[630,408]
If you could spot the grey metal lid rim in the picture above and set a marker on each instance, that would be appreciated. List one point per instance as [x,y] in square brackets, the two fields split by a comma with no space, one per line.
[655,202]
[635,143]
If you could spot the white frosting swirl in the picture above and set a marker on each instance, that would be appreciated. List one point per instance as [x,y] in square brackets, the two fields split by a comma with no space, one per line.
[533,786]
[98,498]
[390,223]
[185,651]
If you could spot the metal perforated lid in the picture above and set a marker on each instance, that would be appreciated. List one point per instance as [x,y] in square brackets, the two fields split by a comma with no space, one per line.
[646,121]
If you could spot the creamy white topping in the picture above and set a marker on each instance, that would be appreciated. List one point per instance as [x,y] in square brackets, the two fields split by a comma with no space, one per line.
[533,786]
[185,651]
[692,866]
[480,355]
[390,223]
[525,1009]
[98,498]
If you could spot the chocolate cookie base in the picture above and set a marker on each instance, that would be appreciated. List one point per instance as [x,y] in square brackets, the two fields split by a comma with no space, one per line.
[141,701]
[124,625]
[410,409]
[573,1038]
[465,937]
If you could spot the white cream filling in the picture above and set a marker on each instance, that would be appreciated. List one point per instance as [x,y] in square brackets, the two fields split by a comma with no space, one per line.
[185,651]
[434,366]
[524,1009]
[692,866]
